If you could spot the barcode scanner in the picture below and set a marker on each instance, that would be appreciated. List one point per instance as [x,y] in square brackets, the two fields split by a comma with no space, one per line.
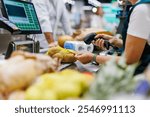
[90,37]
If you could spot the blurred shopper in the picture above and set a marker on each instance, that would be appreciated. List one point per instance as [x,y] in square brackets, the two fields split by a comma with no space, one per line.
[51,13]
[136,38]
[97,20]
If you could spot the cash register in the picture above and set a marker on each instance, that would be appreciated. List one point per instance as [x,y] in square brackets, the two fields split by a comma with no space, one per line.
[20,18]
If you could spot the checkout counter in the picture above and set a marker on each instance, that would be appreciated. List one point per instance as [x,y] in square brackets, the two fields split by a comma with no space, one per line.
[18,27]
[22,24]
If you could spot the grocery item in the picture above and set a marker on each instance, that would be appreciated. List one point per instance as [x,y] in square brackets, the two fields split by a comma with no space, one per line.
[68,84]
[80,34]
[113,79]
[62,39]
[22,69]
[1,97]
[17,95]
[65,55]
[79,46]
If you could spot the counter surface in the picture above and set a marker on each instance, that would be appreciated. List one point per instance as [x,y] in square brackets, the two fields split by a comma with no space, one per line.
[90,67]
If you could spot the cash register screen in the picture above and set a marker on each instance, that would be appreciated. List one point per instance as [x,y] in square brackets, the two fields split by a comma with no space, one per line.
[23,15]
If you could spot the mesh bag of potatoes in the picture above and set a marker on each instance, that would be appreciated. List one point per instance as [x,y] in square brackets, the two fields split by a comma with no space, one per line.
[64,55]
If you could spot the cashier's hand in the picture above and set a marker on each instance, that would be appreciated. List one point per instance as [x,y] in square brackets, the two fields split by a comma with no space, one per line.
[84,57]
[53,44]
[100,40]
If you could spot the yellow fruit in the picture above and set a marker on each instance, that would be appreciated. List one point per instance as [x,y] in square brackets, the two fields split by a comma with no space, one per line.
[49,95]
[49,80]
[33,93]
[67,90]
[60,85]
[69,72]
[50,75]
[78,78]
[84,82]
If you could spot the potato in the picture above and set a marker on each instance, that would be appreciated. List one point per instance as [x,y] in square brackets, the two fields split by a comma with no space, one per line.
[53,51]
[69,58]
[58,55]
[64,55]
[63,39]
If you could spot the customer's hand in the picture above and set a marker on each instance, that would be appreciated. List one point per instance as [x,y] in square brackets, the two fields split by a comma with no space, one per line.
[84,57]
[53,44]
[100,40]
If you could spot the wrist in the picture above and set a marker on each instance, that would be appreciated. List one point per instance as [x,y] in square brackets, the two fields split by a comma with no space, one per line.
[114,41]
[94,58]
[49,37]
[118,40]
[50,40]
[90,56]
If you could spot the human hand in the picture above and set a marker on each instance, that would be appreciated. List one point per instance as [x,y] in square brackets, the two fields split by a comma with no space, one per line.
[84,57]
[53,44]
[100,44]
[58,61]
[101,40]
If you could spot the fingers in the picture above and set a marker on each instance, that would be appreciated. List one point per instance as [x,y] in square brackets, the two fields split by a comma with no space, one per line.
[100,44]
[99,36]
[103,45]
[84,58]
[58,61]
[78,56]
[54,44]
[104,36]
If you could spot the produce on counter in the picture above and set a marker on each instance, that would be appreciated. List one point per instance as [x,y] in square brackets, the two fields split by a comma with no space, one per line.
[17,95]
[62,39]
[68,84]
[19,71]
[65,55]
[1,97]
[80,34]
[112,80]
[48,64]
